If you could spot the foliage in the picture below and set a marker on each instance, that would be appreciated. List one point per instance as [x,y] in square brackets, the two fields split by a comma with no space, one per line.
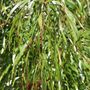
[45,44]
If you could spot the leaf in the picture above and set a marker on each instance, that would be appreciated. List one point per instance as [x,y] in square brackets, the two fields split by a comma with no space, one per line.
[40,22]
[72,23]
[79,4]
[3,48]
[15,7]
[5,72]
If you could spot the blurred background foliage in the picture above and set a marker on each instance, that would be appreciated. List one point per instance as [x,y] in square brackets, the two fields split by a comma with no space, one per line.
[45,45]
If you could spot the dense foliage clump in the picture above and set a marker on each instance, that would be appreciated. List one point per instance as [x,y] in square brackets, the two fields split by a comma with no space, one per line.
[44,45]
